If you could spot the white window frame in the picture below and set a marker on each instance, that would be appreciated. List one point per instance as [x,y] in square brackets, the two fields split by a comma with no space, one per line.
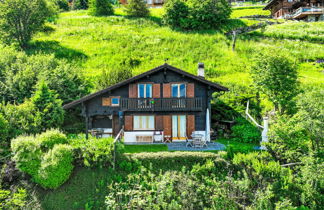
[112,101]
[145,84]
[178,84]
[139,126]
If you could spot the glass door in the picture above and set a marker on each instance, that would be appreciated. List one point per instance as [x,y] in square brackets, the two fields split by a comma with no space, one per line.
[179,127]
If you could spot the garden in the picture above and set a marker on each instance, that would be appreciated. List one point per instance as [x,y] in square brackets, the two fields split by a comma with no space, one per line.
[71,50]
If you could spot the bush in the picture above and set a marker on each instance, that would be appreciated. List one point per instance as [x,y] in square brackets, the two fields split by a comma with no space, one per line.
[100,8]
[63,5]
[81,4]
[136,8]
[56,167]
[50,138]
[27,154]
[208,14]
[12,199]
[170,160]
[93,151]
[244,131]
[4,130]
[196,14]
[17,11]
[49,168]
[176,14]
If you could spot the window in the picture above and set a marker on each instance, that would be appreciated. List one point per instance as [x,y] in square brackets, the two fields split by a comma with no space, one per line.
[114,101]
[143,122]
[145,90]
[178,90]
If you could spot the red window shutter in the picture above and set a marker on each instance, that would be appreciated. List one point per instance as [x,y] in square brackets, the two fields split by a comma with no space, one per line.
[156,91]
[167,90]
[190,125]
[128,123]
[159,122]
[190,90]
[167,125]
[132,92]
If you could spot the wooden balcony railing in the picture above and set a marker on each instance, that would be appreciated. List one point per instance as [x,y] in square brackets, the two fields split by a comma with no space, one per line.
[161,104]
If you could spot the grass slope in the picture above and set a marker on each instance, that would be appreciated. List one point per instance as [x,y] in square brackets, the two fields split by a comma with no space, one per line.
[103,43]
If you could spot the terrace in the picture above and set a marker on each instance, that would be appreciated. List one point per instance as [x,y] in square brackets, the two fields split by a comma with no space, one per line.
[304,11]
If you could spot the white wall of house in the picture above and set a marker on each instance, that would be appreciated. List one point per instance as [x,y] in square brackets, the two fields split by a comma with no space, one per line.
[130,137]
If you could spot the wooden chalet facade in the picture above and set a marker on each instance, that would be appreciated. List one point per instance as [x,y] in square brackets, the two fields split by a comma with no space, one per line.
[164,100]
[309,10]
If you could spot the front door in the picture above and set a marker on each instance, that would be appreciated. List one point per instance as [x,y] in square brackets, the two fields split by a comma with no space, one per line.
[179,127]
[116,127]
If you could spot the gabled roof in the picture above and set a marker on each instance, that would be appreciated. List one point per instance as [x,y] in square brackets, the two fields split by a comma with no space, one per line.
[130,80]
[270,3]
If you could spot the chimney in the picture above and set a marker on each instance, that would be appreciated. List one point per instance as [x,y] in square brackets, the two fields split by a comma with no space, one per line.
[201,70]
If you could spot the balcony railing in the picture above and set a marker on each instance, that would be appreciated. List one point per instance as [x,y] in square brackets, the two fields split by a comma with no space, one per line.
[307,10]
[161,104]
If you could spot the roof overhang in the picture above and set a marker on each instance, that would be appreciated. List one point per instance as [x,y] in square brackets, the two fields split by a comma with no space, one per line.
[269,5]
[140,76]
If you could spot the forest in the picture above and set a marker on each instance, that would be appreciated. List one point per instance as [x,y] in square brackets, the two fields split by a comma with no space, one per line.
[68,49]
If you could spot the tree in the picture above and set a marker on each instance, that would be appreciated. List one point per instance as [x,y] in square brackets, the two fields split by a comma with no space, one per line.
[50,107]
[136,8]
[310,110]
[276,76]
[4,130]
[112,76]
[196,14]
[21,19]
[100,8]
[176,14]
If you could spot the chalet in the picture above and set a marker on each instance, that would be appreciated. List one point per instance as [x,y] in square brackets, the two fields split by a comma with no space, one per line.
[309,10]
[148,2]
[165,101]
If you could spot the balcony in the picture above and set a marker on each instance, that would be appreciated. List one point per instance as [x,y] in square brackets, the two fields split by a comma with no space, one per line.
[161,104]
[304,11]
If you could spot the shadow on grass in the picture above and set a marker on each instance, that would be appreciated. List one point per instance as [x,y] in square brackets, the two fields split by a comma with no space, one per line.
[54,47]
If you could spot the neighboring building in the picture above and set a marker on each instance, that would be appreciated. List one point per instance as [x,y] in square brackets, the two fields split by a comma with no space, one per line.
[309,10]
[164,100]
[148,2]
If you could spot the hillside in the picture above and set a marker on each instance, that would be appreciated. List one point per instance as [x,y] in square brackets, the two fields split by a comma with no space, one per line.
[103,43]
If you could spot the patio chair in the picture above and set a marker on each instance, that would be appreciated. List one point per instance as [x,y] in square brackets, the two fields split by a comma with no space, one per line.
[158,136]
[188,142]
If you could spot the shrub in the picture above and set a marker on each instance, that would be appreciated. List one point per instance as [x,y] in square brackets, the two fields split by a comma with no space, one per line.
[50,138]
[81,4]
[170,160]
[27,154]
[56,167]
[23,118]
[17,11]
[12,199]
[176,14]
[4,129]
[100,7]
[63,5]
[208,14]
[136,8]
[196,14]
[49,106]
[93,151]
[276,75]
[244,131]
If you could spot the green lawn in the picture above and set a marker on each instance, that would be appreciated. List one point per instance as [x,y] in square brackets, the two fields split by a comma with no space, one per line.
[96,44]
[86,189]
[238,146]
[145,148]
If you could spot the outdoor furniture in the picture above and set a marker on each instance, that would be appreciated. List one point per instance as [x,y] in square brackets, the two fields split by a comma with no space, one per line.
[188,142]
[96,132]
[167,139]
[197,140]
[158,136]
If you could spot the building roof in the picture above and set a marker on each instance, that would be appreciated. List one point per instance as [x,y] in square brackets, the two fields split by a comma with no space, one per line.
[130,80]
[270,3]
